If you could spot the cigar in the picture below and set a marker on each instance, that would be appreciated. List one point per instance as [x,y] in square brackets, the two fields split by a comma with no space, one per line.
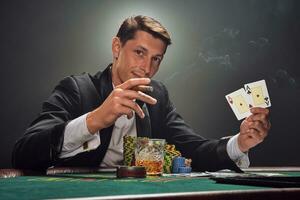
[143,88]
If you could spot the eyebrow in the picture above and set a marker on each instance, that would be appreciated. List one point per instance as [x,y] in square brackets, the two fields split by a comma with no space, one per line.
[145,49]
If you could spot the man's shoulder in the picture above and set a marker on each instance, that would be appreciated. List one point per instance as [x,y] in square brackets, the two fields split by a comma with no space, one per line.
[82,78]
[75,83]
[72,80]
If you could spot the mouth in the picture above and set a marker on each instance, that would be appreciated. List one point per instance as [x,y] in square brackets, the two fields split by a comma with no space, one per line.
[138,74]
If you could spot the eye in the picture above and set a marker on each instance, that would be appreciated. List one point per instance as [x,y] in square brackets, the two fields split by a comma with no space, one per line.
[139,52]
[156,59]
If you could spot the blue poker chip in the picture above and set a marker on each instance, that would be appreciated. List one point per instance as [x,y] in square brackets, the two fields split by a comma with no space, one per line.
[175,170]
[178,161]
[182,170]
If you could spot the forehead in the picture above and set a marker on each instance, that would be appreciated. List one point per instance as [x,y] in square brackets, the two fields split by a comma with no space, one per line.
[147,41]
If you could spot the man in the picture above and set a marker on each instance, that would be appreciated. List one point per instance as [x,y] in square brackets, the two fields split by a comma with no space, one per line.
[84,120]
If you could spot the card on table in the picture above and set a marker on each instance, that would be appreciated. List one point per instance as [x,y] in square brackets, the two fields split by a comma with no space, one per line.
[258,94]
[239,103]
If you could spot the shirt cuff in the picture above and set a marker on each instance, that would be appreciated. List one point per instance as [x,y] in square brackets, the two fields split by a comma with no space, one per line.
[241,159]
[77,138]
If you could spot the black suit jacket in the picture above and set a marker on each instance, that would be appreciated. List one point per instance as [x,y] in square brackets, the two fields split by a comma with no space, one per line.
[74,96]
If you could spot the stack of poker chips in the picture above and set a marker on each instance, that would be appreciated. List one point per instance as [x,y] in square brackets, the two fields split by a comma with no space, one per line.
[170,154]
[181,165]
[129,144]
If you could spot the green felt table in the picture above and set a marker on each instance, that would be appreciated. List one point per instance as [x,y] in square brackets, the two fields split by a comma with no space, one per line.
[103,185]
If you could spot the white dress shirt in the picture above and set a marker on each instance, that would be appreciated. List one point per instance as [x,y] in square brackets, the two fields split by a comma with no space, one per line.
[77,139]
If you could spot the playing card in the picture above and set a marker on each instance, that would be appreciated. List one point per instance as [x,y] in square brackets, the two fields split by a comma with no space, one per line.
[239,103]
[258,94]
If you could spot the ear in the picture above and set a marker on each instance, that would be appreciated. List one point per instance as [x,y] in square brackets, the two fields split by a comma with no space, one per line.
[116,46]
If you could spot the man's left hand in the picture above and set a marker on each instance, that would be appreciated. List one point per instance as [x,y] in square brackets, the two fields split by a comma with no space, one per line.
[254,129]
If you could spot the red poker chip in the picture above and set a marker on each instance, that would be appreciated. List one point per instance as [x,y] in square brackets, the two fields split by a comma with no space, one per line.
[131,172]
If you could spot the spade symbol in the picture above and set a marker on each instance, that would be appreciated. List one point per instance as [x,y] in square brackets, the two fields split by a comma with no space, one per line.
[248,89]
[267,100]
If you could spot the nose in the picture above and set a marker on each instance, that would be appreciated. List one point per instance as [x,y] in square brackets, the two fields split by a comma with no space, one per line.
[146,65]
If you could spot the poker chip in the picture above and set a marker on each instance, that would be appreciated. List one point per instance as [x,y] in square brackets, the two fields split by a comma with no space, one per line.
[170,153]
[177,163]
[167,162]
[131,172]
[129,144]
[184,170]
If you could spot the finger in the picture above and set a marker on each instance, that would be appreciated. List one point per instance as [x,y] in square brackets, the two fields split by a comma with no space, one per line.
[130,115]
[245,125]
[146,98]
[261,118]
[134,82]
[258,110]
[257,117]
[252,133]
[259,128]
[126,111]
[133,106]
[130,94]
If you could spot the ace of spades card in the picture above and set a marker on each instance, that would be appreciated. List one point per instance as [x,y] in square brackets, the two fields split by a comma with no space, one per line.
[258,94]
[239,103]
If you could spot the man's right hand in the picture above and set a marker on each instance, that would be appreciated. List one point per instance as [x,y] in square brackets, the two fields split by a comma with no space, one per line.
[121,101]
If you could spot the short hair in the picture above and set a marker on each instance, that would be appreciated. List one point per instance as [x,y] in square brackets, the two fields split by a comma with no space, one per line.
[142,23]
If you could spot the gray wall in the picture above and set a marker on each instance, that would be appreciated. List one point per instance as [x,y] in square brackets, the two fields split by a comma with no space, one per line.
[217,47]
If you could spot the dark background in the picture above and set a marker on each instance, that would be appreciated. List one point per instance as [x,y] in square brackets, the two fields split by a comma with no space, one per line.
[218,46]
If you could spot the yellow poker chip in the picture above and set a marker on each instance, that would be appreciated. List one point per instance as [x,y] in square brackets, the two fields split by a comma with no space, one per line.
[128,150]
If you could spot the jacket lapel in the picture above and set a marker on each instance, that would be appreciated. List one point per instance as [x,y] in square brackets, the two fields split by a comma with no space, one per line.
[104,88]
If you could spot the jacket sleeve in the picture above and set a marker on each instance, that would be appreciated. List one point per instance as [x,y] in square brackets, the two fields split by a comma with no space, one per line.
[42,142]
[206,154]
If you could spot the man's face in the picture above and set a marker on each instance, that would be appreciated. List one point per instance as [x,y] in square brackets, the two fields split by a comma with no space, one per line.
[140,57]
